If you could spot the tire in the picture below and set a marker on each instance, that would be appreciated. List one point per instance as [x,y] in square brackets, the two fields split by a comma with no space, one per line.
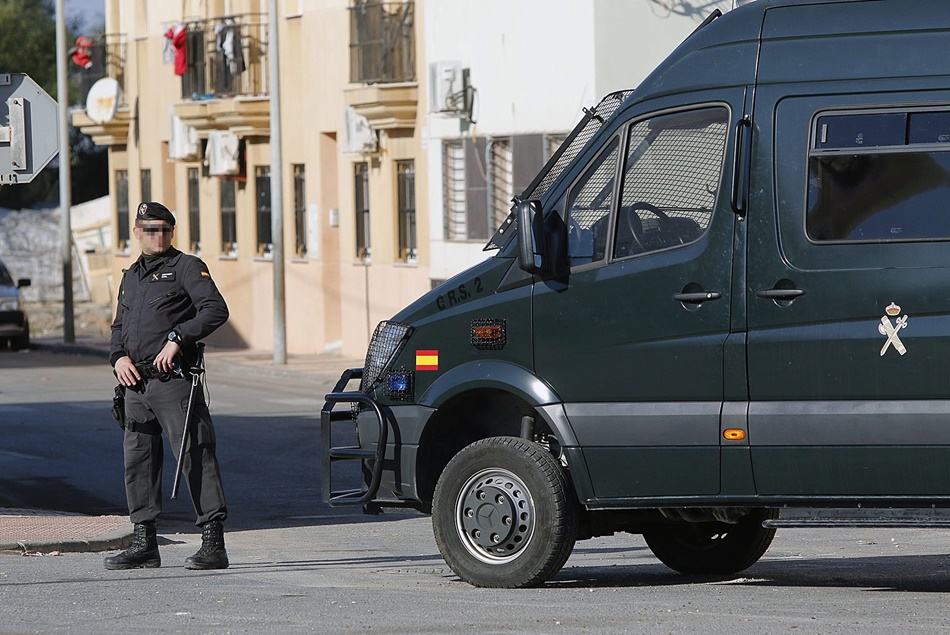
[714,548]
[473,514]
[21,341]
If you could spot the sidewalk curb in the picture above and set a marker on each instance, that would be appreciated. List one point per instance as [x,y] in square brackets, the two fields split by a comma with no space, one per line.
[116,539]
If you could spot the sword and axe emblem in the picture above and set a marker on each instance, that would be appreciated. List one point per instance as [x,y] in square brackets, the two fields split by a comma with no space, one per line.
[890,330]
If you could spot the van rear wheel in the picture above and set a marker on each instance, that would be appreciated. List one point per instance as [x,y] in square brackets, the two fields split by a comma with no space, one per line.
[714,548]
[504,514]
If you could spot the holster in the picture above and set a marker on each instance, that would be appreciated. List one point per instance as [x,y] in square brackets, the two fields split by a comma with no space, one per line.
[118,406]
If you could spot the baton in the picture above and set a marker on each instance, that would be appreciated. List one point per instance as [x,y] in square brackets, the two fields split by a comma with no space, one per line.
[195,372]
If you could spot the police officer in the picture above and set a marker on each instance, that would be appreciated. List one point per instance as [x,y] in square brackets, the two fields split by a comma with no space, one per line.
[167,303]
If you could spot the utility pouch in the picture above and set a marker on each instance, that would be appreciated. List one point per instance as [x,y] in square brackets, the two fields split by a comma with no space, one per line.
[118,406]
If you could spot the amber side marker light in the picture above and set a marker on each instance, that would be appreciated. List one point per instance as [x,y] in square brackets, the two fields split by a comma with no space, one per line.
[734,434]
[487,332]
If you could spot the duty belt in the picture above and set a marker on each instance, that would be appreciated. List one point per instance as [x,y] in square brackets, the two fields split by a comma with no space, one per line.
[147,370]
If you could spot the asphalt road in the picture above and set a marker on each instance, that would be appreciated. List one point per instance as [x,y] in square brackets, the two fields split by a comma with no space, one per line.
[299,566]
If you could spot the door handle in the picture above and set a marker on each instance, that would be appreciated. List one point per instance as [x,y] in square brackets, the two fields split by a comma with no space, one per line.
[738,198]
[697,297]
[780,294]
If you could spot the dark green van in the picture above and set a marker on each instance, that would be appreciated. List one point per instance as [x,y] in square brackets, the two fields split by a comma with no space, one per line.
[727,295]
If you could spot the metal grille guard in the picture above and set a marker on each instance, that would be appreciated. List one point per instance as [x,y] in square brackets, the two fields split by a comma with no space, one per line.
[328,416]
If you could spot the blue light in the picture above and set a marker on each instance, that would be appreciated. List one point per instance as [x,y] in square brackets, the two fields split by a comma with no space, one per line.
[398,382]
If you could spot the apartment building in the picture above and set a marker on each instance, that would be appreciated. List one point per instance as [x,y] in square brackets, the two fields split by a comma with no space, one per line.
[389,184]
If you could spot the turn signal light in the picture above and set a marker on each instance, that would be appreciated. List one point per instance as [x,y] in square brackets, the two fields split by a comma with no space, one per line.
[734,434]
[487,333]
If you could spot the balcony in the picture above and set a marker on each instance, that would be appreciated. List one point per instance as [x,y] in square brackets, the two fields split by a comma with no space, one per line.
[225,83]
[382,63]
[225,57]
[103,57]
[96,58]
[382,42]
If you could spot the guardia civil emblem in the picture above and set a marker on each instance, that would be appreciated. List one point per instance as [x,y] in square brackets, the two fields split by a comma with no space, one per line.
[142,209]
[890,329]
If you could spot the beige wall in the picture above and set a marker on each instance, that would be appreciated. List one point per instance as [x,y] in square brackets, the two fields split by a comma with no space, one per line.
[332,301]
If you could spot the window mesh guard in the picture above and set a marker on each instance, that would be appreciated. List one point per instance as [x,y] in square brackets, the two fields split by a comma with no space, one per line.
[675,163]
[572,146]
[386,343]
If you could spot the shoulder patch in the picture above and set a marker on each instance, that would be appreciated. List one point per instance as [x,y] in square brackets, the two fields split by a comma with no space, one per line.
[206,274]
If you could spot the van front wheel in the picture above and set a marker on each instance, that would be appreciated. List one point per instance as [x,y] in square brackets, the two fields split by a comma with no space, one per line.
[504,514]
[713,548]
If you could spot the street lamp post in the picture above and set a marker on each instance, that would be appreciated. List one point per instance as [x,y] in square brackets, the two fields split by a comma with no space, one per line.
[65,182]
[276,189]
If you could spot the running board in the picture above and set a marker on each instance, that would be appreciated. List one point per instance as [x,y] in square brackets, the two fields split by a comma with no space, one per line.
[868,518]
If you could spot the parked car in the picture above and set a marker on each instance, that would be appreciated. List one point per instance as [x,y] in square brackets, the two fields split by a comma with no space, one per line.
[14,323]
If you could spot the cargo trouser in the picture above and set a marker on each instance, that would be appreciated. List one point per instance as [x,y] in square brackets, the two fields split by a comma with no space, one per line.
[165,403]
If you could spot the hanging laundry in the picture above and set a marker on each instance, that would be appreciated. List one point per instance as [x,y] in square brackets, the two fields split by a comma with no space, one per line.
[177,36]
[227,36]
[168,49]
[80,53]
[222,154]
[183,143]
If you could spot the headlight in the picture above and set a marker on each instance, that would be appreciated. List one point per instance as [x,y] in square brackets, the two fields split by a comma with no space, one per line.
[10,304]
[388,340]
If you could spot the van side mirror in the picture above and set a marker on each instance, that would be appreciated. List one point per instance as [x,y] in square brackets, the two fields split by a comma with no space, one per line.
[530,236]
[22,282]
[542,241]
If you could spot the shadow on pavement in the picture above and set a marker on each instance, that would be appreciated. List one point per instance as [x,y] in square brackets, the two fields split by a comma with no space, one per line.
[39,357]
[67,456]
[913,573]
[55,493]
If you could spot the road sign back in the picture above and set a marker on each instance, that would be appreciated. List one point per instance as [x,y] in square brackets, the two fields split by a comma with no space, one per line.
[29,134]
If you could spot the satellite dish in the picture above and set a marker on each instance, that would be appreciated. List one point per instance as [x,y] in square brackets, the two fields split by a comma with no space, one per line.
[103,100]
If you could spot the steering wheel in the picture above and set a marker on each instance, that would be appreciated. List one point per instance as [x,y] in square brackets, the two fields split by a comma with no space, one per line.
[664,223]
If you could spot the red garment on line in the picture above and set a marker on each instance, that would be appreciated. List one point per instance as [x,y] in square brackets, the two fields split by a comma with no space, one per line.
[81,52]
[178,41]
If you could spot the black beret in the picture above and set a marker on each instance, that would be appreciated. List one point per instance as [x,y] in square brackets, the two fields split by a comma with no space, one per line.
[155,211]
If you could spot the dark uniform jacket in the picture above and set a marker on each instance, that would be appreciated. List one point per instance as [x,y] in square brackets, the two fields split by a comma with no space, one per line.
[175,293]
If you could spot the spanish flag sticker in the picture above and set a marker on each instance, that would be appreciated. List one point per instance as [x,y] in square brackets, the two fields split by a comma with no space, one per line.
[427,360]
[206,274]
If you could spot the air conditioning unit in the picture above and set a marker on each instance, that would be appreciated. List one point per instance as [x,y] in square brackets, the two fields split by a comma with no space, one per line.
[445,84]
[358,136]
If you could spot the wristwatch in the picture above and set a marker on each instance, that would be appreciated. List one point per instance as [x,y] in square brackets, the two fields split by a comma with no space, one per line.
[174,337]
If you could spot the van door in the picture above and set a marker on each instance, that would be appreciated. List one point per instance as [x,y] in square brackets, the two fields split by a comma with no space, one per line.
[633,339]
[848,276]
[849,296]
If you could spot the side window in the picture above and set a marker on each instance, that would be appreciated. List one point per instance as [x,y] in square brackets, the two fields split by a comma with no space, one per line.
[588,209]
[672,172]
[881,177]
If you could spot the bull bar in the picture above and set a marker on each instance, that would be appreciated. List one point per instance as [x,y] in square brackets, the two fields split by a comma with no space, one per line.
[330,454]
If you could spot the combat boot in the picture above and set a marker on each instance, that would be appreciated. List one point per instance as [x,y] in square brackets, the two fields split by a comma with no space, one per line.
[212,554]
[142,554]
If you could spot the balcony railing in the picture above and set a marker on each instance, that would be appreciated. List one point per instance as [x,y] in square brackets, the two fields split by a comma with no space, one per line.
[225,57]
[98,57]
[382,44]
